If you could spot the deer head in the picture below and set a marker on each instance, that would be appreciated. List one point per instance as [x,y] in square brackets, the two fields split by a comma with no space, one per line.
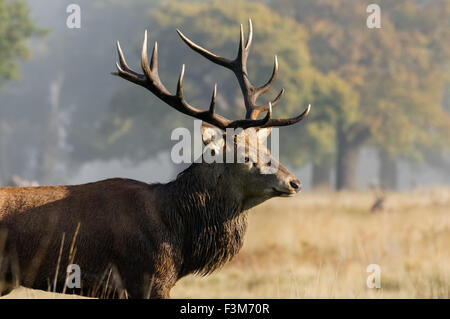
[251,175]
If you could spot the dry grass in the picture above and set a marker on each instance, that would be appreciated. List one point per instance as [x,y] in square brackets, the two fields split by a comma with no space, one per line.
[319,244]
[25,293]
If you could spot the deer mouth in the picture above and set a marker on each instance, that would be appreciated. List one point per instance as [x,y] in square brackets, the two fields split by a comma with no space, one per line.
[280,193]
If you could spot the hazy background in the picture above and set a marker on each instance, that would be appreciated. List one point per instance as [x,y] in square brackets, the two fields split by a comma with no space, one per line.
[380,118]
[380,97]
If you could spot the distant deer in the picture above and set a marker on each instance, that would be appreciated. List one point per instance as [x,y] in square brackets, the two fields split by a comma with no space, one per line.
[151,234]
[380,199]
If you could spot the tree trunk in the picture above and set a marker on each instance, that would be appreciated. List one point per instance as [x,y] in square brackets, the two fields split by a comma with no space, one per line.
[321,174]
[387,173]
[347,160]
[347,167]
[50,148]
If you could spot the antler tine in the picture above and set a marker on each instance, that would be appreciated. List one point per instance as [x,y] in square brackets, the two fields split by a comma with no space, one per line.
[286,122]
[242,52]
[144,58]
[262,89]
[153,83]
[212,106]
[154,59]
[122,61]
[125,71]
[266,106]
[180,84]
[209,55]
[250,35]
[240,62]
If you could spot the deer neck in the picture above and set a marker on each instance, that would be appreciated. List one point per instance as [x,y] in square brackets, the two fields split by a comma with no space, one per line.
[212,217]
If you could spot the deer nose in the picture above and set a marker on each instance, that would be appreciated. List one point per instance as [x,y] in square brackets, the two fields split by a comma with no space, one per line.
[296,185]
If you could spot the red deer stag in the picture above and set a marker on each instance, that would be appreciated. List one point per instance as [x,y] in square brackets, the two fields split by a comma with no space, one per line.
[150,234]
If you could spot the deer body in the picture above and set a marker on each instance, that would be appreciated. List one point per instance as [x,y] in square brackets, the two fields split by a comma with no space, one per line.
[147,236]
[165,231]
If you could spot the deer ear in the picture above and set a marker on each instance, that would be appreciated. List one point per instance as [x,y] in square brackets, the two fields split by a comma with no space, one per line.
[211,134]
[263,134]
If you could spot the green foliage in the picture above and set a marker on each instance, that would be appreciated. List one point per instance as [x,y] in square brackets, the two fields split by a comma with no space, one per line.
[398,71]
[335,103]
[15,28]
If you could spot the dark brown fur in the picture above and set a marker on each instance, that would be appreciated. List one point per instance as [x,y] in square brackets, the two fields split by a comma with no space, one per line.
[146,231]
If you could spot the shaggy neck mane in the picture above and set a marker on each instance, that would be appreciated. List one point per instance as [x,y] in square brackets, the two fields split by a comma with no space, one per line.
[211,217]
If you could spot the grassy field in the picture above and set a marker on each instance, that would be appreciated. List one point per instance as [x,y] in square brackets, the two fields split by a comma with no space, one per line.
[319,244]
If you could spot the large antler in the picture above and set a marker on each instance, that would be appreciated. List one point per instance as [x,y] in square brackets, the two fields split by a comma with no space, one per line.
[150,80]
[250,92]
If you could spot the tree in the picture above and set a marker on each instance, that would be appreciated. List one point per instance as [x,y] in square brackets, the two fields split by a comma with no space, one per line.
[335,104]
[395,70]
[15,28]
[85,91]
[89,88]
